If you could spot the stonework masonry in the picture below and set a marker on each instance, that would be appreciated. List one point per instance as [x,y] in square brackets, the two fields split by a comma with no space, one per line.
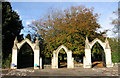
[70,60]
[88,46]
[35,48]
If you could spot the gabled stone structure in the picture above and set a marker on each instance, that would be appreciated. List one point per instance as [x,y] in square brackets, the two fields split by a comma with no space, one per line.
[35,48]
[88,47]
[70,60]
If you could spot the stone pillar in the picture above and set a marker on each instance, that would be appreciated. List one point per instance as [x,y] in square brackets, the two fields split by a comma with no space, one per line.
[14,59]
[55,60]
[52,62]
[108,54]
[36,55]
[87,58]
[84,62]
[36,59]
[40,63]
[69,60]
[72,62]
[108,58]
[14,55]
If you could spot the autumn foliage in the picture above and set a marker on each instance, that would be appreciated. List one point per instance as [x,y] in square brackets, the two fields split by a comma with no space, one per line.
[68,27]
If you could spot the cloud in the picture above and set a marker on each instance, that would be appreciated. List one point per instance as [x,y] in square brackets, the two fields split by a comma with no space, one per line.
[28,22]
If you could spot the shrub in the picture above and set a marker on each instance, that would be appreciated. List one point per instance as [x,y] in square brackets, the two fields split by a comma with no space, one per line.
[6,62]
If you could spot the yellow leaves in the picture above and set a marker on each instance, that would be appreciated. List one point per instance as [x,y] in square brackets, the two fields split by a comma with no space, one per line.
[69,44]
[69,37]
[69,28]
[76,42]
[76,52]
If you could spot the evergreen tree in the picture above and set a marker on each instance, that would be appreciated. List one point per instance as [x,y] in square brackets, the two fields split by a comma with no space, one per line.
[11,27]
[28,36]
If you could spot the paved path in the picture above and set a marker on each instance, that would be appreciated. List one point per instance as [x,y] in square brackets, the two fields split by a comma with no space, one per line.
[63,72]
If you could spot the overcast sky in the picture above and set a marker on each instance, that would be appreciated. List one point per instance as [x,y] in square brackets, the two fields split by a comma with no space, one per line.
[29,11]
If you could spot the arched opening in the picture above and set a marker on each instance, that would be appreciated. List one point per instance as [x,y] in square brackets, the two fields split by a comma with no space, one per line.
[25,57]
[62,59]
[98,56]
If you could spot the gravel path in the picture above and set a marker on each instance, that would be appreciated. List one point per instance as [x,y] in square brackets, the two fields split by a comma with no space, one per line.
[63,72]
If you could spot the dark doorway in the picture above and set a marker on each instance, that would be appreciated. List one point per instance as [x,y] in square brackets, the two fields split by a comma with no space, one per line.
[98,56]
[62,59]
[25,57]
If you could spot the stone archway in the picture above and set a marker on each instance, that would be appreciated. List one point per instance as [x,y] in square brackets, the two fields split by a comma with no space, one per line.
[97,56]
[25,57]
[88,47]
[35,47]
[70,63]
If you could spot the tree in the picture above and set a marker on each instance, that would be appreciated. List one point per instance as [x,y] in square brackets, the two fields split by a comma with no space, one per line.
[69,27]
[28,36]
[20,38]
[0,28]
[11,27]
[116,40]
[116,21]
[115,49]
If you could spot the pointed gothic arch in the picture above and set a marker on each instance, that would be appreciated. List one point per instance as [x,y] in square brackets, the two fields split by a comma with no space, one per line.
[88,47]
[98,58]
[25,59]
[95,41]
[61,47]
[35,48]
[32,45]
[70,63]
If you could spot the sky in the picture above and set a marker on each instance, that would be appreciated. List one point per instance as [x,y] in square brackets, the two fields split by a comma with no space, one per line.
[29,11]
[63,0]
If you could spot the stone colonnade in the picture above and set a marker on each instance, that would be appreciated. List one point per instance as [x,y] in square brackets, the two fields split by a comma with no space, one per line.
[70,60]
